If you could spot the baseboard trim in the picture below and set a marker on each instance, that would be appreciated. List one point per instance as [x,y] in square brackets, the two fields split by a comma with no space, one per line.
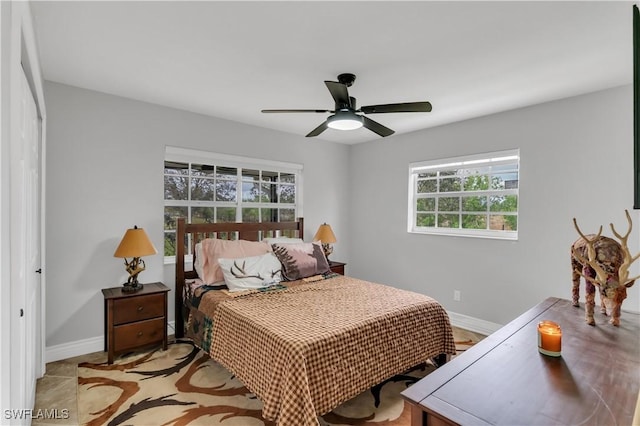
[71,349]
[96,344]
[83,347]
[473,324]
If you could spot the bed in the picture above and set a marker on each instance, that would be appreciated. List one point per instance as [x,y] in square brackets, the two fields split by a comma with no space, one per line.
[306,345]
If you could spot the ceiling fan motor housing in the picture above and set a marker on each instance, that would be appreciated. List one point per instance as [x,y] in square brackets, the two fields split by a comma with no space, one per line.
[347,79]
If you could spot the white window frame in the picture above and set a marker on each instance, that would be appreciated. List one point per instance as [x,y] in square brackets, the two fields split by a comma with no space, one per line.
[497,158]
[185,155]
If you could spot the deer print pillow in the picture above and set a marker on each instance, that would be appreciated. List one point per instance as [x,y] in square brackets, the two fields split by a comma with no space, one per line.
[301,260]
[250,273]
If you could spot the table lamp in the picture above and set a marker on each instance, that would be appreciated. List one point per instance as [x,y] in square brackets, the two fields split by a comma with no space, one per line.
[326,236]
[134,244]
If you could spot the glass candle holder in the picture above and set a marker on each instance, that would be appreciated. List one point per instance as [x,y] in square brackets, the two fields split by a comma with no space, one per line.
[549,338]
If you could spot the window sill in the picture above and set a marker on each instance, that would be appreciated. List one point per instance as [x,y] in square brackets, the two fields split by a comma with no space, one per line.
[494,235]
[171,260]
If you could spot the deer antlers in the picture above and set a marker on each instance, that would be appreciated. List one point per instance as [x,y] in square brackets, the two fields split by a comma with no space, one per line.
[241,272]
[623,271]
[601,275]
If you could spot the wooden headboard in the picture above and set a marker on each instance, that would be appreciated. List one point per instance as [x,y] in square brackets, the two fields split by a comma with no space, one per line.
[192,233]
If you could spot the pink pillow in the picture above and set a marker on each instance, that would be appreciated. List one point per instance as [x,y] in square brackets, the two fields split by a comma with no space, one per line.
[213,249]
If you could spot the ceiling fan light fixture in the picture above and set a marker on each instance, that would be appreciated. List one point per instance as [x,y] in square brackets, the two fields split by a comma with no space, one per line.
[346,116]
[345,120]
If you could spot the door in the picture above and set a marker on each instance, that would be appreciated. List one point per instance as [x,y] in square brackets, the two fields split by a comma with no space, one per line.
[33,310]
[25,248]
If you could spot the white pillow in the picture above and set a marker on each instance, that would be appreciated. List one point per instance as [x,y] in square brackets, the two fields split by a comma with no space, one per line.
[249,273]
[213,249]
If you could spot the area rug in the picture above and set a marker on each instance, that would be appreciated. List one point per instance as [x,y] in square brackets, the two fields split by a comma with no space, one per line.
[183,386]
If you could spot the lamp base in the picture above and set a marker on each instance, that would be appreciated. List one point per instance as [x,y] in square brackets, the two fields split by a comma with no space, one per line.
[328,249]
[131,287]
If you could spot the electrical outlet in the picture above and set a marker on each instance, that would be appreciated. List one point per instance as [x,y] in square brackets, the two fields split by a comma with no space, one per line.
[456,295]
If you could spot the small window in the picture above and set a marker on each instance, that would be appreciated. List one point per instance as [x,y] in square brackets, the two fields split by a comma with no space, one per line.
[473,196]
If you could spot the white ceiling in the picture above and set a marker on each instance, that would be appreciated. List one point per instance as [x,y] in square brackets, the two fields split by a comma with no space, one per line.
[232,59]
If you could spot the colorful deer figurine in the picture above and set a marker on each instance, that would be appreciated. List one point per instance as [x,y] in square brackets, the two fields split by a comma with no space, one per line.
[604,263]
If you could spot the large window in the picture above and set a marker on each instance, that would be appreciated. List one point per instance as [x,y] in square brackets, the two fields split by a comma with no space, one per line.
[210,188]
[475,195]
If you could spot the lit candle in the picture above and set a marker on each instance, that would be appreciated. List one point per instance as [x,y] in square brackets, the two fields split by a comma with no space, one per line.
[549,338]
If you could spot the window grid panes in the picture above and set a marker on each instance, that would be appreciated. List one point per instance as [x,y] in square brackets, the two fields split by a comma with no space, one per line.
[470,196]
[215,192]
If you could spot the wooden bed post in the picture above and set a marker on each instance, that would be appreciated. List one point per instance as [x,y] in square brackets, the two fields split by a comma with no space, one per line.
[179,293]
[301,228]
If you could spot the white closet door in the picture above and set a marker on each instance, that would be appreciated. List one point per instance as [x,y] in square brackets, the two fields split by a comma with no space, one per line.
[25,248]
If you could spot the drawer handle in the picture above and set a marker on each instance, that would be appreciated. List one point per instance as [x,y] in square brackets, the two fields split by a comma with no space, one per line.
[140,308]
[139,333]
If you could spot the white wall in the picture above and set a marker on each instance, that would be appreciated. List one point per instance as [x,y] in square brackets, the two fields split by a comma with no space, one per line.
[576,161]
[105,174]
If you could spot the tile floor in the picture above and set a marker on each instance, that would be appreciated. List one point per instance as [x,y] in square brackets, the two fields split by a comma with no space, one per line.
[57,389]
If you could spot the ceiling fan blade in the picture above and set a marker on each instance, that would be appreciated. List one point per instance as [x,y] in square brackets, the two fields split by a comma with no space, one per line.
[401,107]
[339,92]
[321,128]
[376,127]
[295,110]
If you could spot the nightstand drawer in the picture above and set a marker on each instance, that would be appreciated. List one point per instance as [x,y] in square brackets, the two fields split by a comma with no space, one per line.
[137,334]
[138,308]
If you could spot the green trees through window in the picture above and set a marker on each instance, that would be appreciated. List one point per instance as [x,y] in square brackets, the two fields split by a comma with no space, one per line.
[473,196]
[223,190]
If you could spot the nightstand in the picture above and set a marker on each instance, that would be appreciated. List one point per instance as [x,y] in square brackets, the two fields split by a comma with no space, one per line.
[134,320]
[337,267]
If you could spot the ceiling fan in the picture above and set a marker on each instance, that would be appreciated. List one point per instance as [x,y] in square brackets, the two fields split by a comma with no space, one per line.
[346,116]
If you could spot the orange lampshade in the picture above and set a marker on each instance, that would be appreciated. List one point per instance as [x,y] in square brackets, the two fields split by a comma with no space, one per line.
[135,243]
[325,234]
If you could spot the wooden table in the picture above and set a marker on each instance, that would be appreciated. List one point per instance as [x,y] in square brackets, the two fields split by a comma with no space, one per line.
[504,380]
